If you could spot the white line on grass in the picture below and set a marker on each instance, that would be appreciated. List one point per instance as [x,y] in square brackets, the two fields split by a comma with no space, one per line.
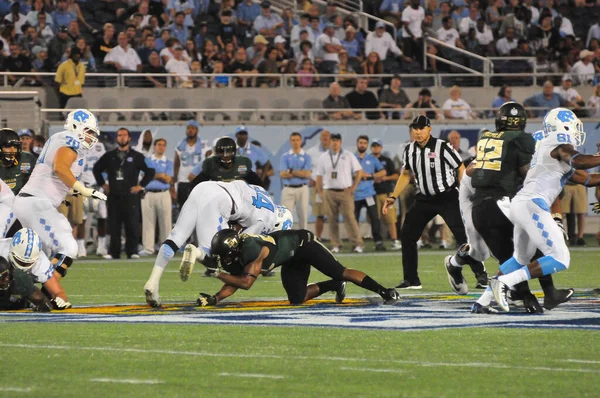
[481,365]
[583,361]
[16,389]
[126,381]
[374,370]
[253,375]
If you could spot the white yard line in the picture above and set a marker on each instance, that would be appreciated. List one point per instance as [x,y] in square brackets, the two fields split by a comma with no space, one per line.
[374,370]
[482,365]
[582,361]
[16,389]
[252,375]
[125,381]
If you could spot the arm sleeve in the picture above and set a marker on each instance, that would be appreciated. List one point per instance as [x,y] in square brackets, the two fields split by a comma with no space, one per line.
[393,46]
[451,156]
[99,168]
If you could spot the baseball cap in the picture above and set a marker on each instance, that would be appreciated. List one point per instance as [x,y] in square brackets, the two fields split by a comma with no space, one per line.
[260,39]
[377,141]
[336,136]
[329,25]
[23,132]
[241,130]
[265,4]
[567,77]
[420,122]
[279,39]
[63,29]
[177,47]
[585,53]
[192,123]
[38,49]
[350,28]
[380,24]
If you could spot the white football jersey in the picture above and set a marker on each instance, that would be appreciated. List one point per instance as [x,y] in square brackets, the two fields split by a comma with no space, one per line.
[547,175]
[91,156]
[41,271]
[255,209]
[43,182]
[6,194]
[189,156]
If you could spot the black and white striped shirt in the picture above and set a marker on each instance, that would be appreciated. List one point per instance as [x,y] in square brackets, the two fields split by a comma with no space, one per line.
[434,166]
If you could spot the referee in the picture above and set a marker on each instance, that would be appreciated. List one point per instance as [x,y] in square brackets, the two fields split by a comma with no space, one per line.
[437,169]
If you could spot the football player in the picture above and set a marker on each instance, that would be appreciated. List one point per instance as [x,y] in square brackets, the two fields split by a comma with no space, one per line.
[555,161]
[57,171]
[17,290]
[244,256]
[7,217]
[17,165]
[209,208]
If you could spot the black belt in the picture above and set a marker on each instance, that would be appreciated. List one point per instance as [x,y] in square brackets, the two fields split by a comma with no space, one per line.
[24,195]
[160,190]
[336,190]
[295,186]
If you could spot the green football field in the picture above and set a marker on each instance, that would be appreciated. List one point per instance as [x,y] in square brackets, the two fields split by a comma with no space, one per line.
[427,345]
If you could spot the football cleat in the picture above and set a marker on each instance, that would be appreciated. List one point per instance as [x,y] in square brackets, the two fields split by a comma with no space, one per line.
[561,296]
[477,308]
[455,277]
[408,285]
[390,296]
[482,280]
[340,293]
[152,297]
[500,290]
[187,262]
[531,304]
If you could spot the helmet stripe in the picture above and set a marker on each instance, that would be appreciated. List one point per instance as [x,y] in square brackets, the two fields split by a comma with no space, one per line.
[29,244]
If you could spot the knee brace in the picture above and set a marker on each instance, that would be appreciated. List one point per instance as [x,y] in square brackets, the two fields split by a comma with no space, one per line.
[550,265]
[510,265]
[62,260]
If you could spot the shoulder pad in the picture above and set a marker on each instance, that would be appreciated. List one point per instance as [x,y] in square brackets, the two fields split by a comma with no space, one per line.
[525,142]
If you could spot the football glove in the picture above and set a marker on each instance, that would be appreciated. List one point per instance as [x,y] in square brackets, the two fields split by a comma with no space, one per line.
[596,207]
[60,304]
[89,192]
[559,221]
[44,307]
[206,300]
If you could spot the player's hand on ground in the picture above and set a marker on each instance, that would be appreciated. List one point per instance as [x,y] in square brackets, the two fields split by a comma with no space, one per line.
[206,300]
[60,304]
[389,202]
[596,207]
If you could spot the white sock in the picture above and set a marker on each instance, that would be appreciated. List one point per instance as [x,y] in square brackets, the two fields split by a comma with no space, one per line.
[518,276]
[161,262]
[454,262]
[101,242]
[81,244]
[486,298]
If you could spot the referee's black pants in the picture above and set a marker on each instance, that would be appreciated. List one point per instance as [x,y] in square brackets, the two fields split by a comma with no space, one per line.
[417,217]
[123,210]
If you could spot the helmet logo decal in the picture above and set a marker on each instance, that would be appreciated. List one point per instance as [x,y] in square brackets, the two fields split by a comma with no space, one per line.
[514,112]
[230,242]
[565,116]
[81,116]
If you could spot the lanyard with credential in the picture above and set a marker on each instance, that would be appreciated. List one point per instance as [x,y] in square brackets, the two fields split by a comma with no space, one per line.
[334,164]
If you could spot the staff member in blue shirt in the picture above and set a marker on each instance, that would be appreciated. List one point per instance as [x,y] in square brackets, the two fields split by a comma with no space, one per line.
[156,205]
[295,168]
[365,192]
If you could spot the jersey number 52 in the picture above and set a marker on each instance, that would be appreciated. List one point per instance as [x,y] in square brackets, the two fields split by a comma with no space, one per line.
[489,154]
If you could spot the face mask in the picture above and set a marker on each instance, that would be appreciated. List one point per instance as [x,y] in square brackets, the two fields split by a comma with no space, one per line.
[37,150]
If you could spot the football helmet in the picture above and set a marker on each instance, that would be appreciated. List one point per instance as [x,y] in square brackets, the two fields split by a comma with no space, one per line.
[225,150]
[84,124]
[10,139]
[25,249]
[285,219]
[225,245]
[5,275]
[511,116]
[564,120]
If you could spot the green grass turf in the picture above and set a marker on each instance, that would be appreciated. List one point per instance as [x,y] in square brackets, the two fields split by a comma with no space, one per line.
[59,359]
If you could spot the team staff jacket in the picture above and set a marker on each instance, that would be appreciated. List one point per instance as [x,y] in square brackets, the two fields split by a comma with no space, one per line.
[127,164]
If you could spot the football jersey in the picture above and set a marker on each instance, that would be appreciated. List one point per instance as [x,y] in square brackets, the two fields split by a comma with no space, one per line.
[43,182]
[41,271]
[21,288]
[17,176]
[282,247]
[189,156]
[91,156]
[6,194]
[547,175]
[255,209]
[216,172]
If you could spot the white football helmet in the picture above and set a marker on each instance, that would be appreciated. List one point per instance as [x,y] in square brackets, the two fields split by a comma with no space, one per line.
[285,219]
[25,249]
[84,124]
[564,120]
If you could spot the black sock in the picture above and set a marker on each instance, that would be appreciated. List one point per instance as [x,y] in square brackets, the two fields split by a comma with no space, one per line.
[328,286]
[547,285]
[571,226]
[369,284]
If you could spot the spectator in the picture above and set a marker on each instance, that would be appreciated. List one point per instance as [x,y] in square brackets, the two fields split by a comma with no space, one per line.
[335,101]
[168,53]
[339,30]
[543,65]
[247,11]
[516,20]
[70,77]
[58,45]
[344,68]
[74,32]
[338,176]
[26,138]
[315,27]
[504,96]
[382,42]
[282,53]
[454,140]
[361,98]
[305,52]
[156,204]
[227,54]
[268,24]
[472,44]
[583,70]
[62,16]
[424,102]
[533,11]
[184,8]
[38,143]
[178,28]
[412,19]
[545,36]
[295,168]
[508,43]
[86,59]
[448,35]
[318,204]
[394,97]
[18,63]
[471,21]
[444,11]
[218,80]
[351,45]
[209,56]
[565,27]
[485,36]
[330,13]
[228,5]
[148,48]
[566,90]
[43,29]
[594,102]
[8,35]
[364,196]
[547,100]
[132,36]
[391,10]
[226,30]
[295,38]
[201,35]
[29,40]
[307,74]
[41,63]
[493,14]
[154,67]
[103,45]
[373,66]
[143,12]
[288,21]
[38,8]
[456,107]
[269,66]
[161,42]
[593,33]
[180,68]
[241,66]
[192,51]
[327,48]
[256,53]
[196,71]
[123,57]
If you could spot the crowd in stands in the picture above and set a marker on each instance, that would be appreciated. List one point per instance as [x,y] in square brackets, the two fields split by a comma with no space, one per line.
[182,37]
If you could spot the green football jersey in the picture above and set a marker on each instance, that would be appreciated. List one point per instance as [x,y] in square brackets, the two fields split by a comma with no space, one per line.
[21,288]
[216,172]
[17,176]
[282,247]
[499,157]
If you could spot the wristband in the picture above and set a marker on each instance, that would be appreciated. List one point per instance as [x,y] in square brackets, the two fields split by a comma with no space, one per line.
[588,180]
[573,157]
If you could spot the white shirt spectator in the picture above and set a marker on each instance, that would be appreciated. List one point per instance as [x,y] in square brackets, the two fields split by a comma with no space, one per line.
[346,166]
[504,46]
[448,36]
[295,37]
[582,73]
[459,109]
[414,19]
[322,40]
[568,95]
[466,24]
[593,33]
[128,59]
[165,52]
[180,68]
[535,14]
[594,104]
[47,33]
[381,45]
[566,27]
[22,20]
[486,37]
